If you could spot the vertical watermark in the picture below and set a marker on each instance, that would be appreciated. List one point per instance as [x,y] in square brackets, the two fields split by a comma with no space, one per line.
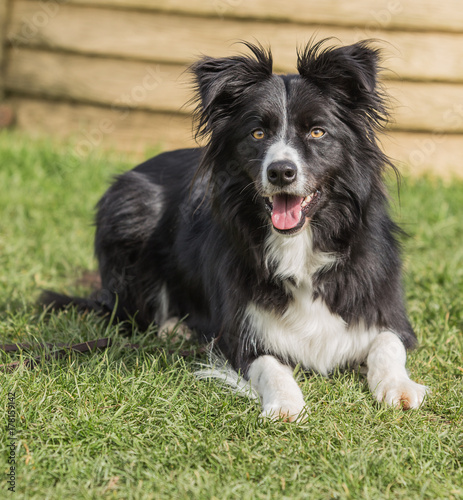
[11,438]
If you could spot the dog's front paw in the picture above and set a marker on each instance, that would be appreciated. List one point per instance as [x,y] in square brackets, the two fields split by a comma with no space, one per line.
[402,393]
[174,329]
[286,411]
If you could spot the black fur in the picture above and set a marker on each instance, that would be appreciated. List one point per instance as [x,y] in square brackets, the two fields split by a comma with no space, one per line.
[194,221]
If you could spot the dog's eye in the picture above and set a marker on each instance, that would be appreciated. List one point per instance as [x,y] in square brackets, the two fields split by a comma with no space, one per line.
[258,134]
[316,133]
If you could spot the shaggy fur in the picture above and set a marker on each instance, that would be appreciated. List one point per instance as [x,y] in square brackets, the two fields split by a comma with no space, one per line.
[274,238]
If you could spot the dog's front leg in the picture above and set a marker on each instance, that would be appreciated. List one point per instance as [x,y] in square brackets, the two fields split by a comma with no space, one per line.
[387,377]
[280,395]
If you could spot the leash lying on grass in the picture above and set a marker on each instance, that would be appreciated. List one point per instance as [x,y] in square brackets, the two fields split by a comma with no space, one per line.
[64,350]
[83,347]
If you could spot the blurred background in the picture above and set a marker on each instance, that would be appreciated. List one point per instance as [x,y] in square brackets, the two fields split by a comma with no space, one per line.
[111,73]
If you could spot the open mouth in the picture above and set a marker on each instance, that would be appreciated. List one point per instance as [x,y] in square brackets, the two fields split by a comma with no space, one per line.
[289,212]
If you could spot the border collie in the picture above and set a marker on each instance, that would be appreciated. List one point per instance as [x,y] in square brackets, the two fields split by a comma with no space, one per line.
[274,238]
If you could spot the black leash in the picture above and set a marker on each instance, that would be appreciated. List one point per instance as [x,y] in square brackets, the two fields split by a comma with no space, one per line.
[64,350]
[60,353]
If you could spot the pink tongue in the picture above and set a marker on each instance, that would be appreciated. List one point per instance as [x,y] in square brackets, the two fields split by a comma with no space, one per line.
[286,212]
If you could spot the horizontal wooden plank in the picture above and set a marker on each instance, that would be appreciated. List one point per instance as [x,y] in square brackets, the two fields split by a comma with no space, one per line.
[426,107]
[159,87]
[176,39]
[421,153]
[92,128]
[111,82]
[3,13]
[366,14]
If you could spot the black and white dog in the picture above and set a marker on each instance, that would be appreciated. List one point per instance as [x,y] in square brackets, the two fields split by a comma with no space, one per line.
[275,237]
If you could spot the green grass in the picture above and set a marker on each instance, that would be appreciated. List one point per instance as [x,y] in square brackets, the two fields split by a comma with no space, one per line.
[136,424]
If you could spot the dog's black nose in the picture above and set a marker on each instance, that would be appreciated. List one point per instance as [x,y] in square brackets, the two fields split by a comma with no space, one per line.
[281,173]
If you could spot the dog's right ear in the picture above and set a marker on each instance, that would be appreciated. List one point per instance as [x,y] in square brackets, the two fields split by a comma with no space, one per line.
[350,74]
[222,84]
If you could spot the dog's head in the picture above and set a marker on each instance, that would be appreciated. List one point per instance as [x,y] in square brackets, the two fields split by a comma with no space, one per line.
[304,144]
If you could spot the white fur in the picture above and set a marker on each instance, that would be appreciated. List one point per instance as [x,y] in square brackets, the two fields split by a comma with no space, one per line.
[162,305]
[282,151]
[280,394]
[293,256]
[307,333]
[387,377]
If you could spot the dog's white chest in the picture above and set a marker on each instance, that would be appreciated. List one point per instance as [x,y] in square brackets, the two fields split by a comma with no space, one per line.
[309,334]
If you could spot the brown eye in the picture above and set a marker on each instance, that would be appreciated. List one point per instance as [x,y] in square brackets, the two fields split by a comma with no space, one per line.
[258,134]
[316,133]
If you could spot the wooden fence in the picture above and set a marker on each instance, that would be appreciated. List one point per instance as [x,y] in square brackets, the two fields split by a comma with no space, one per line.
[112,72]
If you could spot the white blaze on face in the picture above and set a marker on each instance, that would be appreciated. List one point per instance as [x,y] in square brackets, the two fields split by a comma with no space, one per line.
[282,150]
[287,203]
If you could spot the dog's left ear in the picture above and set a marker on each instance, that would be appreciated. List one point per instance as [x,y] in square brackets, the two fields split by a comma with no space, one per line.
[352,71]
[222,84]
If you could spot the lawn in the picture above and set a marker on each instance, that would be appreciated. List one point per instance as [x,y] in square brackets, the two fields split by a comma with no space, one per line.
[137,424]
